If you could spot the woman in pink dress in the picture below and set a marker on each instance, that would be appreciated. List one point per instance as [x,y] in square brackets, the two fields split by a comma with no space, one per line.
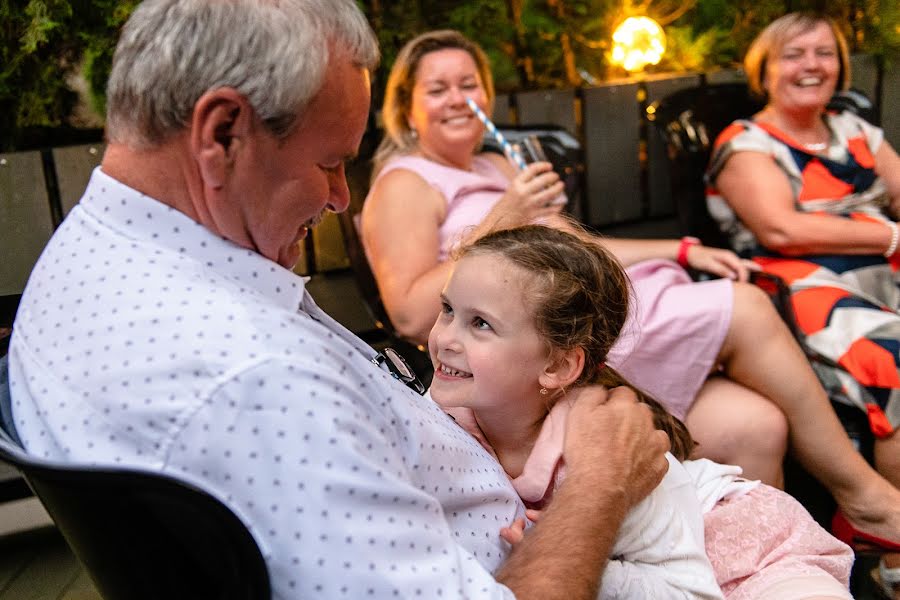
[433,189]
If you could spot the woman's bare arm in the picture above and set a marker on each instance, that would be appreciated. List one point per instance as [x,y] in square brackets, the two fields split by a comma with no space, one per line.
[887,166]
[760,194]
[400,223]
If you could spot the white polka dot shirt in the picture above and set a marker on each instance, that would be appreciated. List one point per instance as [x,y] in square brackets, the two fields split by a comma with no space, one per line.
[143,339]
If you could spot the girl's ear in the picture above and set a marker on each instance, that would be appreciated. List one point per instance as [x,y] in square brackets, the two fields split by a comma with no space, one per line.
[562,369]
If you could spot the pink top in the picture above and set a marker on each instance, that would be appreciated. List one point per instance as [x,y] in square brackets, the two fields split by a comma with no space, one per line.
[470,195]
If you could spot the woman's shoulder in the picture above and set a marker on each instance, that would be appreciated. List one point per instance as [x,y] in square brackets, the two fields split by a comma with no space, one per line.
[848,125]
[744,134]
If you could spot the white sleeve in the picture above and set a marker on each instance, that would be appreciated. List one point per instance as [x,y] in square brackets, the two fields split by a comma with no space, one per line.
[326,489]
[660,552]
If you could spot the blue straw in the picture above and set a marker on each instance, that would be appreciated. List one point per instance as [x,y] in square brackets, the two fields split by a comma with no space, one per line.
[511,153]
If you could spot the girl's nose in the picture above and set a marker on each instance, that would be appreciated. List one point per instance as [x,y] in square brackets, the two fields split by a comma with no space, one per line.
[447,338]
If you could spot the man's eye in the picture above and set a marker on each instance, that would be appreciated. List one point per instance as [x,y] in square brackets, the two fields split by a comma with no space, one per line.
[446,308]
[335,168]
[480,323]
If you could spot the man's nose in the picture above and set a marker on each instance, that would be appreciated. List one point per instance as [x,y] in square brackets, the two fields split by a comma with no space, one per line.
[339,190]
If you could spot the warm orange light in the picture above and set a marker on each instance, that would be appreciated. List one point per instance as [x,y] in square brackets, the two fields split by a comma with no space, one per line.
[638,42]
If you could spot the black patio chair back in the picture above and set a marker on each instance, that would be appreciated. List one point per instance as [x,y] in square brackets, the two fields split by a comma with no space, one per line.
[688,122]
[142,535]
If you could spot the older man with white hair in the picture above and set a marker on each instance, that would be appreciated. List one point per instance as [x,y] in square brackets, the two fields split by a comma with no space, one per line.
[163,328]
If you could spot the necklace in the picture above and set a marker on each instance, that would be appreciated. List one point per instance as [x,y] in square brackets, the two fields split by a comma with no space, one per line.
[816,147]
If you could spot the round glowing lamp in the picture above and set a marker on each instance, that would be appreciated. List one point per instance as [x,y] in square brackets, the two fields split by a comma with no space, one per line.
[638,42]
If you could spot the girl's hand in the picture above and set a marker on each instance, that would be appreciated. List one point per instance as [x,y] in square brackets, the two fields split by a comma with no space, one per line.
[718,261]
[516,532]
[535,192]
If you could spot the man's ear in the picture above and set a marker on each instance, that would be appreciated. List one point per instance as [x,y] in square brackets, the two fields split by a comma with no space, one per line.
[562,369]
[220,124]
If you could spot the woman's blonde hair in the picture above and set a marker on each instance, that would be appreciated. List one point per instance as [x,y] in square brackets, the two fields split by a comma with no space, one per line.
[778,33]
[398,137]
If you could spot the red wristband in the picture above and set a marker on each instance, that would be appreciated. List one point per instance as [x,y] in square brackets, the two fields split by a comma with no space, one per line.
[686,242]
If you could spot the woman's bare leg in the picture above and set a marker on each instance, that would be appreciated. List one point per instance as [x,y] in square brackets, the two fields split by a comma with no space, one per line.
[760,353]
[734,425]
[887,458]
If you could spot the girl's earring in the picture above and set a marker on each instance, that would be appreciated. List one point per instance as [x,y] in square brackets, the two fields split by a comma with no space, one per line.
[413,133]
[544,391]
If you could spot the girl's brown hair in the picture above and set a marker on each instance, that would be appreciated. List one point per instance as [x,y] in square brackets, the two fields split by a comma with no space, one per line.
[580,296]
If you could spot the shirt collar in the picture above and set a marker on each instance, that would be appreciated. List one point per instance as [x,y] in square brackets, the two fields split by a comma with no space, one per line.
[145,220]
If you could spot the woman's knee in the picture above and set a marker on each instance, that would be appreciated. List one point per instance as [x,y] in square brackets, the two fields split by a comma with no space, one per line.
[733,420]
[753,304]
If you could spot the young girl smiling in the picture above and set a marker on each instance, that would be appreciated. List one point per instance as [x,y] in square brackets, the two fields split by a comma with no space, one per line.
[531,312]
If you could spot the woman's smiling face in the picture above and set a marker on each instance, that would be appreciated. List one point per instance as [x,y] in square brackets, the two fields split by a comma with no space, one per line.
[803,73]
[439,113]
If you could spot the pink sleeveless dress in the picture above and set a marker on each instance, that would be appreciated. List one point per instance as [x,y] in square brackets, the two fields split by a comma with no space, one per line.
[676,327]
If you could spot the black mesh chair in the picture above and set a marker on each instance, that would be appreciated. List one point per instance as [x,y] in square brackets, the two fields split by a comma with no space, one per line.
[141,535]
[688,122]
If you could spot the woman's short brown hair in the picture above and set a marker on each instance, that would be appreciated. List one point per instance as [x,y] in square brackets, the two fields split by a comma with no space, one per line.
[777,34]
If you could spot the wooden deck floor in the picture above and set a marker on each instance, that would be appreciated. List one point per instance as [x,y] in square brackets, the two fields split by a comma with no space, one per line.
[35,562]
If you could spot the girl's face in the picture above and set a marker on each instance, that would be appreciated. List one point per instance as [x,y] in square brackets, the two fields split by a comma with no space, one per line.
[439,113]
[486,352]
[803,74]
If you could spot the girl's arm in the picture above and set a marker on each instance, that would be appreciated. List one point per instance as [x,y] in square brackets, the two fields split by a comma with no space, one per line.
[760,194]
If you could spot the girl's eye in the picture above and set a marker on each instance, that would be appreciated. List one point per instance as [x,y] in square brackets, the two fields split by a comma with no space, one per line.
[827,52]
[479,323]
[446,308]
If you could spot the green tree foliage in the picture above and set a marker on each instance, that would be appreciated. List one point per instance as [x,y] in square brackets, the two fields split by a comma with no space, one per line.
[488,22]
[44,44]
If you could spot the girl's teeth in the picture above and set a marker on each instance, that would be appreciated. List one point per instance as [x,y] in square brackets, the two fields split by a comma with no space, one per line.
[452,372]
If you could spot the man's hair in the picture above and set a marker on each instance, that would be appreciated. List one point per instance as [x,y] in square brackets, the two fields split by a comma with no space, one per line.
[275,53]
[778,33]
[579,294]
[398,138]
